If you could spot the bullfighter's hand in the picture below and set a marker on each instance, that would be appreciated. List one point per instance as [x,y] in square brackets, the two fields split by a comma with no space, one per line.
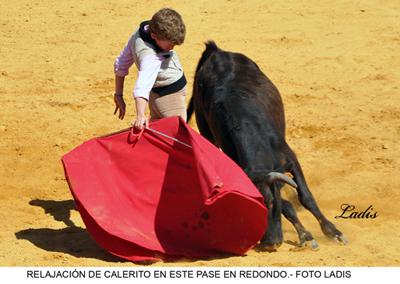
[141,120]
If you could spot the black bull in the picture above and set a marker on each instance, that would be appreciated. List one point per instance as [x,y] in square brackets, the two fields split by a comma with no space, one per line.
[241,111]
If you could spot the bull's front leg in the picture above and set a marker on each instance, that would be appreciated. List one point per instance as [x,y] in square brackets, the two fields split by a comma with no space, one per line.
[306,240]
[273,237]
[307,200]
[269,186]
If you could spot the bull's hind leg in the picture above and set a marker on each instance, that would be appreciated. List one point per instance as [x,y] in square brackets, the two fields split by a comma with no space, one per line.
[305,237]
[307,200]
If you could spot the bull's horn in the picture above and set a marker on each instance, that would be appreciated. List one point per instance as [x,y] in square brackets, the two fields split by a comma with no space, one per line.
[274,176]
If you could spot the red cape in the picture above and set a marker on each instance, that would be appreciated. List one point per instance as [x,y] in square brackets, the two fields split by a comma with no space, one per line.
[145,196]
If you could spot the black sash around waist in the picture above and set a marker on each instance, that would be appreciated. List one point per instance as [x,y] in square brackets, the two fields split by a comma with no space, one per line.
[172,88]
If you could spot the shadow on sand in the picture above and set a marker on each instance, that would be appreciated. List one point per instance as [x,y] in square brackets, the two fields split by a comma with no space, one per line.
[72,240]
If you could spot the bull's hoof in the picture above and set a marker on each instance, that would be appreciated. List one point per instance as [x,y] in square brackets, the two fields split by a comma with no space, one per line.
[341,239]
[311,244]
[331,232]
[269,248]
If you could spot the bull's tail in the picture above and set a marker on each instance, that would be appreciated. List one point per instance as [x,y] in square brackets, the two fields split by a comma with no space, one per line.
[211,47]
[189,111]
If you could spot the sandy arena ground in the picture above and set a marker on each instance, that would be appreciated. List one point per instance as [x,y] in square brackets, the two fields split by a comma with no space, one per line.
[336,65]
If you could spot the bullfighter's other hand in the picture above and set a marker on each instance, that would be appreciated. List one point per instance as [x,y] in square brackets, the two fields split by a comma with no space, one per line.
[119,105]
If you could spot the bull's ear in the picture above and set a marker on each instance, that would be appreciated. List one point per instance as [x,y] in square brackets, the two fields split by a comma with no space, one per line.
[275,176]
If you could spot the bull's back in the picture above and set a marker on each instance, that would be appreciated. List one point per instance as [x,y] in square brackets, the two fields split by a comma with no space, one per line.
[235,80]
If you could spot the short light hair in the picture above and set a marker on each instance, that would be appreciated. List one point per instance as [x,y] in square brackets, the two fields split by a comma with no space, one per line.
[167,24]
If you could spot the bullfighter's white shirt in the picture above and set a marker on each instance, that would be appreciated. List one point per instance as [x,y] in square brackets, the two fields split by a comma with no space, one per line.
[154,69]
[148,70]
